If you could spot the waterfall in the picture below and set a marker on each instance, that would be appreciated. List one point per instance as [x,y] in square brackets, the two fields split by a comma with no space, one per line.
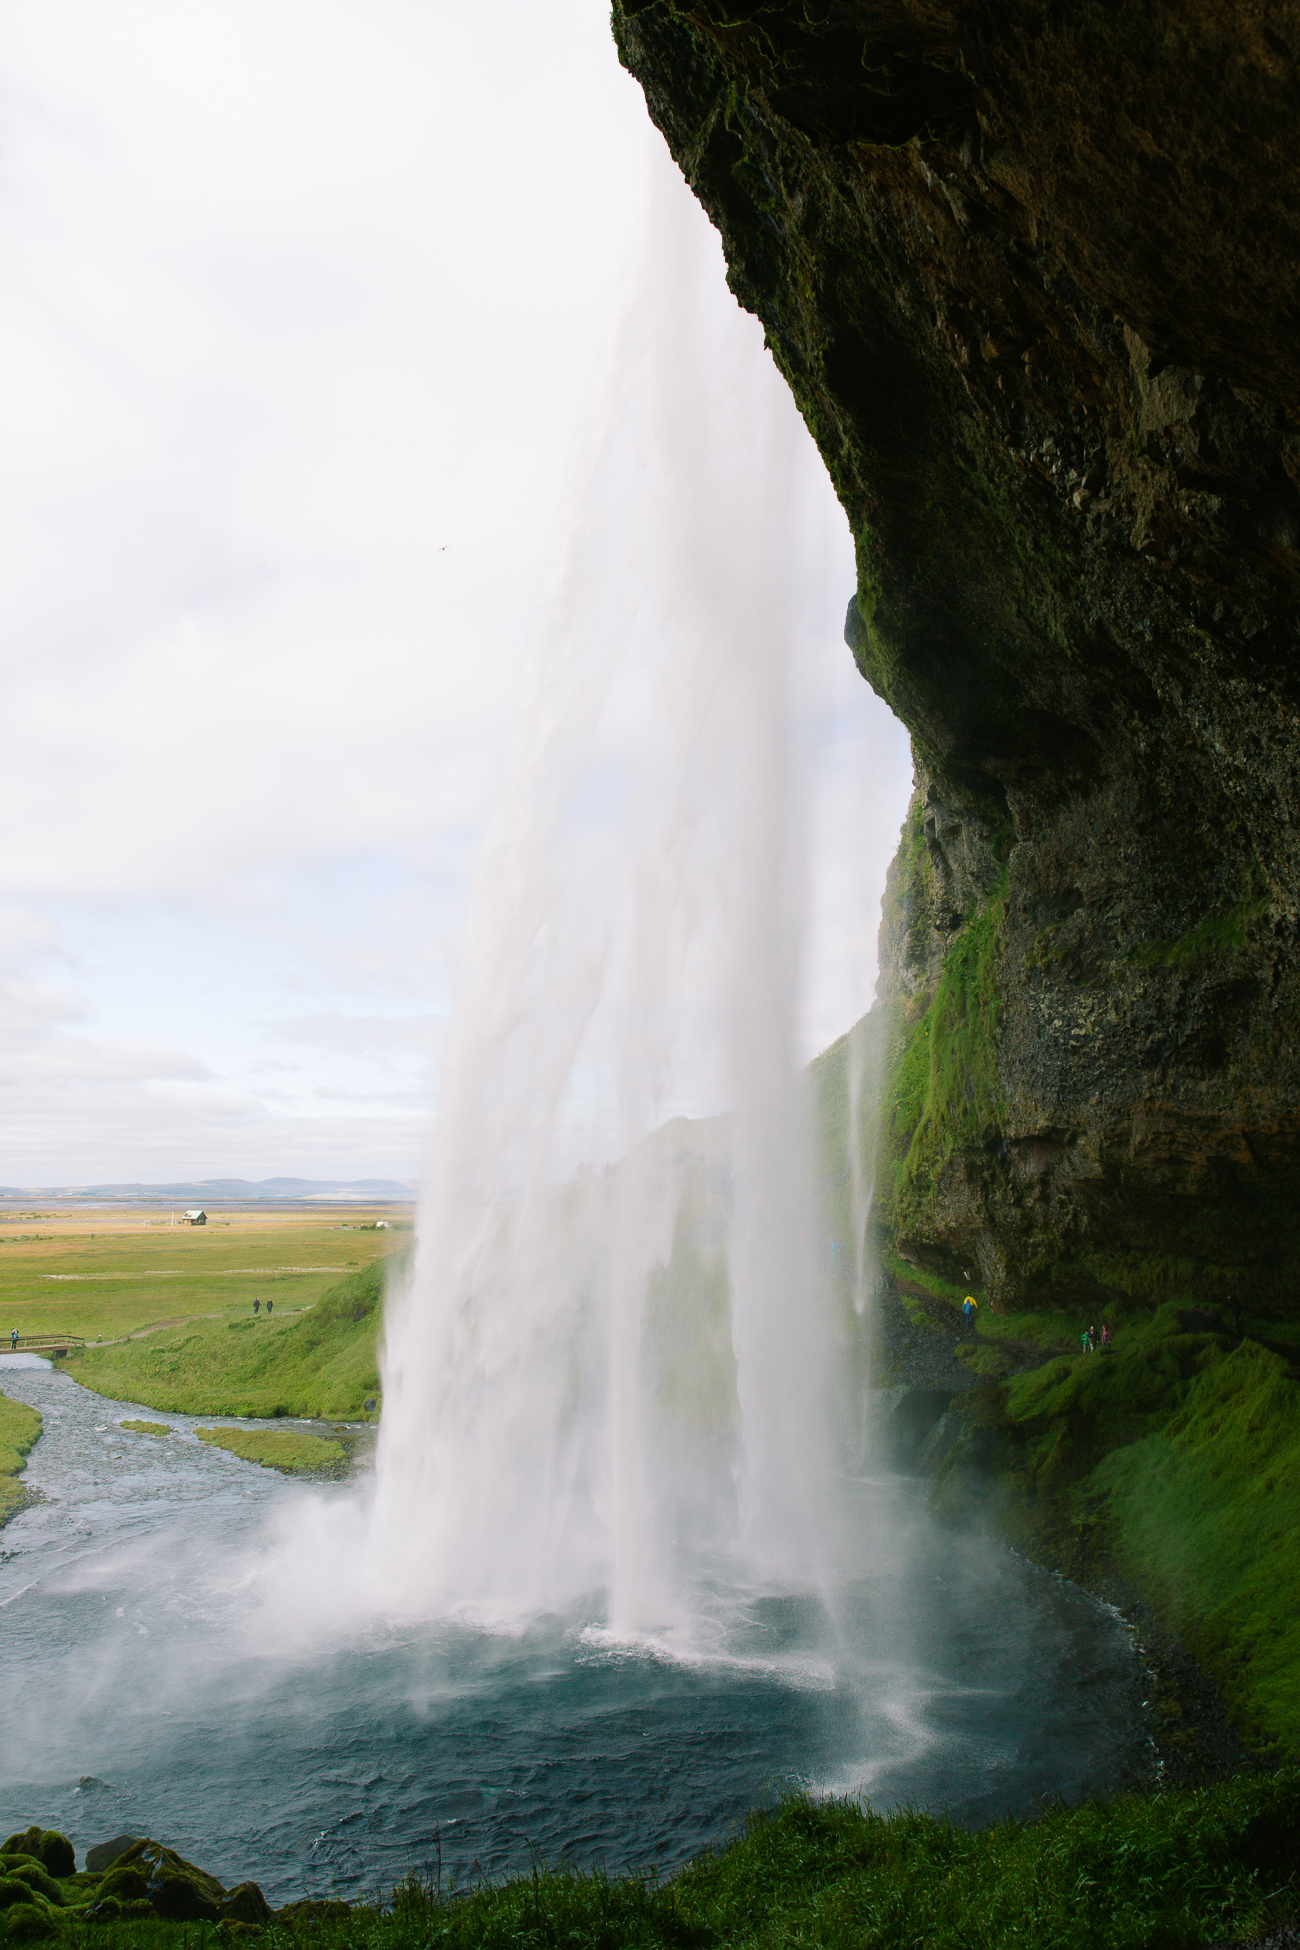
[610,1362]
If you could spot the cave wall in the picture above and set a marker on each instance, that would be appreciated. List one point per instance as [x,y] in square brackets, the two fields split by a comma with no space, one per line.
[1031,273]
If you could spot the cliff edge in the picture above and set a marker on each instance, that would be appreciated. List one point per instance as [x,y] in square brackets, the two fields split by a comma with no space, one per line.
[1032,274]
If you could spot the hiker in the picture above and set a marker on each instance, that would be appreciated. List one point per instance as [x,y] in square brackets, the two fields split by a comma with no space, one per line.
[1105,1335]
[13,1342]
[968,1306]
[1085,1340]
[257,1306]
[269,1305]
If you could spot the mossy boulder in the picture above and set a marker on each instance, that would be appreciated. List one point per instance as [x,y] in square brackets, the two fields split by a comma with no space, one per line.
[33,1876]
[30,1922]
[315,1909]
[177,1889]
[112,1910]
[58,1854]
[125,1885]
[246,1904]
[48,1846]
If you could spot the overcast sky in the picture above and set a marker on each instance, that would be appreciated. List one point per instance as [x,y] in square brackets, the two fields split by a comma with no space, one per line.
[307,313]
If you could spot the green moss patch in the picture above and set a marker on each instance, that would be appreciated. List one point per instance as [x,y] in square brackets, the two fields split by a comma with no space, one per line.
[1218,935]
[146,1428]
[985,1361]
[295,1454]
[1049,1333]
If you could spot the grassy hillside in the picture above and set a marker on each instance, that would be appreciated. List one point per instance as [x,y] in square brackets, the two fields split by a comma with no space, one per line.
[19,1428]
[320,1362]
[1170,1457]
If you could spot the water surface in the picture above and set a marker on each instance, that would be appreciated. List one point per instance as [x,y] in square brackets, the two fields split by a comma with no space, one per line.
[149,1686]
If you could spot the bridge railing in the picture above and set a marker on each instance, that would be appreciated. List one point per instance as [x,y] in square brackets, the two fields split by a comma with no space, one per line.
[39,1343]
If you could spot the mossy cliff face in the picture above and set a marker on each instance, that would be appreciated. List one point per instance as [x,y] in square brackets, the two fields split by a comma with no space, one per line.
[1032,277]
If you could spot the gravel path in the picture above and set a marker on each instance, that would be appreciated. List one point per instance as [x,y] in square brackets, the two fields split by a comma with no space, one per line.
[907,1356]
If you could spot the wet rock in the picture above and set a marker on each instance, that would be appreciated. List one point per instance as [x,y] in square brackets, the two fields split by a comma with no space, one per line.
[104,1854]
[942,1439]
[914,1418]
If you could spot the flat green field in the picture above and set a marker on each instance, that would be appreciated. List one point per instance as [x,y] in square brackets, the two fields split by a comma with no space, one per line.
[102,1279]
[167,1312]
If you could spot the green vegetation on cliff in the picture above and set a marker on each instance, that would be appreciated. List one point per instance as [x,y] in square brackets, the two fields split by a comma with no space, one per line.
[1172,1869]
[323,1362]
[912,1094]
[944,1095]
[1171,1457]
[19,1428]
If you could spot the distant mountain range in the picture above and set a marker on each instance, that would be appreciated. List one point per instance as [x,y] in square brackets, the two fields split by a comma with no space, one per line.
[226,1190]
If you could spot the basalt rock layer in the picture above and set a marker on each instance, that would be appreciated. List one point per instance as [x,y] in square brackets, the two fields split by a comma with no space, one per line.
[1031,272]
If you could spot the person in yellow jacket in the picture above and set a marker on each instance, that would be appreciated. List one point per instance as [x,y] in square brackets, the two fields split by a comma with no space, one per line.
[968,1308]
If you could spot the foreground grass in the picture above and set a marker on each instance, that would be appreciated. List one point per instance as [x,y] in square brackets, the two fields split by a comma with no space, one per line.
[320,1363]
[19,1428]
[293,1453]
[1161,1872]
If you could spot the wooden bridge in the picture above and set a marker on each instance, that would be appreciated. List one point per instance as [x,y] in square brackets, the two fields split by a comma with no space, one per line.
[54,1344]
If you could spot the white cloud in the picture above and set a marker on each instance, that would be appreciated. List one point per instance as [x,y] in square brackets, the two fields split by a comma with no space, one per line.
[305,308]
